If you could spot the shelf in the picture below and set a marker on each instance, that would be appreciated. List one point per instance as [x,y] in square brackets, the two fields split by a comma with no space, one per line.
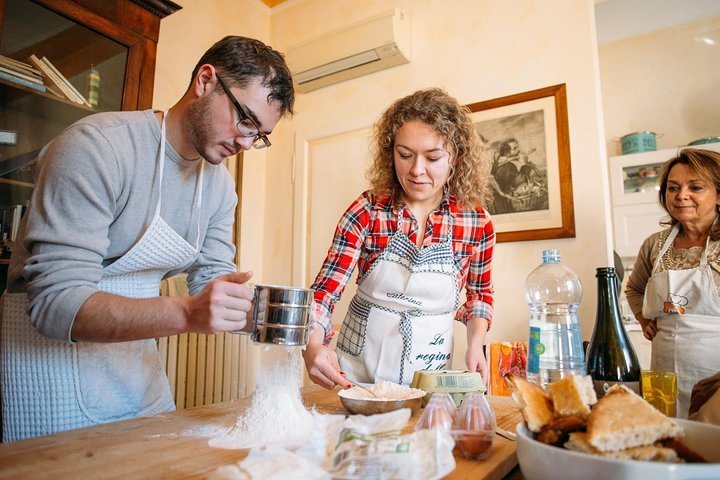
[17,183]
[635,177]
[51,96]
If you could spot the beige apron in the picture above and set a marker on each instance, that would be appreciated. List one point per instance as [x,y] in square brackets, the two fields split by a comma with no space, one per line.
[400,319]
[50,385]
[686,306]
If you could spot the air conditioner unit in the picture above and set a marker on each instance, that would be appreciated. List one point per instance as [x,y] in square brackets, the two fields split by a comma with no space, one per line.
[373,44]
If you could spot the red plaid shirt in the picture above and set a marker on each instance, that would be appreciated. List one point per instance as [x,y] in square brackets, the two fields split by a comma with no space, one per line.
[365,230]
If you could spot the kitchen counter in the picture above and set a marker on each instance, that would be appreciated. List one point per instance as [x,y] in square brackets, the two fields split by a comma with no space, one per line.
[159,447]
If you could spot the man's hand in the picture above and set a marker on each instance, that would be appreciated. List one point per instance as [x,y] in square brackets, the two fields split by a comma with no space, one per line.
[223,305]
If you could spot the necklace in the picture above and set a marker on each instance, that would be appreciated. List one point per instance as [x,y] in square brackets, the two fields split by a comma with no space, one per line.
[666,260]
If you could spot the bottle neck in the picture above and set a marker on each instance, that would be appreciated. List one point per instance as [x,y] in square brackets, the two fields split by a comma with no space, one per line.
[608,310]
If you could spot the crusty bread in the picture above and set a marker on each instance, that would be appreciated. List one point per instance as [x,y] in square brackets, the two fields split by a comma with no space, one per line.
[534,403]
[578,442]
[622,420]
[572,395]
[557,431]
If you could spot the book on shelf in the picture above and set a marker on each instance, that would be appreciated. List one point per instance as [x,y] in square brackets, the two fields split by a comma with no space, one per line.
[67,82]
[19,66]
[53,79]
[8,137]
[9,77]
[27,76]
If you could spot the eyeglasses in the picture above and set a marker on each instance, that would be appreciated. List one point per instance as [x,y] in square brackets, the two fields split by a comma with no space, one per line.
[246,126]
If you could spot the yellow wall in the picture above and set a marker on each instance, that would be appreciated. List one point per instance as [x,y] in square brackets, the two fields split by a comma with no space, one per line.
[184,37]
[476,50]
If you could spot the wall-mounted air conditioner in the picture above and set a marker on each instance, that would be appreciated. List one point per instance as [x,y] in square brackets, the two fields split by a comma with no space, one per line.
[373,44]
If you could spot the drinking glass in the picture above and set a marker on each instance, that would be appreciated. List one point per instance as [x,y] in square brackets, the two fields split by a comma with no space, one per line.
[659,388]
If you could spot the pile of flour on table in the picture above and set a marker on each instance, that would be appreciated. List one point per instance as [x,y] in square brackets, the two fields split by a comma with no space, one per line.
[277,415]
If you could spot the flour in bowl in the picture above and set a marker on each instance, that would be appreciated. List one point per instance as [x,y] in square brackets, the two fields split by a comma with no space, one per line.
[384,390]
[277,415]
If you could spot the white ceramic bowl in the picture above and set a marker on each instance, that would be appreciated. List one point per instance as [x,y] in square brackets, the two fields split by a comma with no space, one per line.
[539,461]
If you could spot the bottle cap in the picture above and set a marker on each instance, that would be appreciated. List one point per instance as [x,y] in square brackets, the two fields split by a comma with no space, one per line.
[551,256]
[605,272]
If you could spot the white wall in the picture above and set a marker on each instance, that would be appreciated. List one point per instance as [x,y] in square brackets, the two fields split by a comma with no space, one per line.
[664,81]
[476,50]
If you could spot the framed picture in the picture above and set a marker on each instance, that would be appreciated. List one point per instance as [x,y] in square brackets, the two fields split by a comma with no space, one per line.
[528,149]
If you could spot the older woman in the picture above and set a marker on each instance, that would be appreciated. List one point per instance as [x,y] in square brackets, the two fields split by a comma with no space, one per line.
[417,237]
[673,288]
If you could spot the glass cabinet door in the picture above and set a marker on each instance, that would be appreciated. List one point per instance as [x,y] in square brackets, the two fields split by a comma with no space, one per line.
[34,106]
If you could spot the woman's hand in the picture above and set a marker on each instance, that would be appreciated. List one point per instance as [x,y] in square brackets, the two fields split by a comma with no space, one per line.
[476,362]
[322,363]
[650,329]
[474,356]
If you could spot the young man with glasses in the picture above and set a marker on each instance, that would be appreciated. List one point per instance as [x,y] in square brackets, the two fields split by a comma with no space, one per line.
[123,200]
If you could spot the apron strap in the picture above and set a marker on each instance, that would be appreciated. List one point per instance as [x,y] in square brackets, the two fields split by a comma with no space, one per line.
[161,169]
[161,161]
[199,202]
[400,214]
[406,334]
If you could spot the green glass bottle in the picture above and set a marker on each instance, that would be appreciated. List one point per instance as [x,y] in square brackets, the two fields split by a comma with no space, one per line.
[610,356]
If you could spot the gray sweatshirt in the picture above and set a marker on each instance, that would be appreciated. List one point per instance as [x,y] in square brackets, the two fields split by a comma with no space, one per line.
[95,195]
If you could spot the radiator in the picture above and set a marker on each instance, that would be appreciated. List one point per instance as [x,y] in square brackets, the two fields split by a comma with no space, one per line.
[205,369]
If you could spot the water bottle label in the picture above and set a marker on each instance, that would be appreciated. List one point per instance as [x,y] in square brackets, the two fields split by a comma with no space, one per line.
[602,386]
[535,349]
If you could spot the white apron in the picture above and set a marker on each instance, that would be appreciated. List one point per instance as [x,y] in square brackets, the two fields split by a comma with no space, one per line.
[400,319]
[686,307]
[50,385]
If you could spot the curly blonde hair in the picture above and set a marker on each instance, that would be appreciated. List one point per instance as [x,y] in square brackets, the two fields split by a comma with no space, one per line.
[467,182]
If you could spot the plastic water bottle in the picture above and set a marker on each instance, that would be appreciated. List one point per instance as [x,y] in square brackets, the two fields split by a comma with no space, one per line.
[553,293]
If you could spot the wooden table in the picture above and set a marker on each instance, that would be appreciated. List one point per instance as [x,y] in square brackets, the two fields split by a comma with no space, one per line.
[158,447]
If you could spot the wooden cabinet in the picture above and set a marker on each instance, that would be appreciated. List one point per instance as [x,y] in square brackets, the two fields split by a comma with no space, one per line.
[116,40]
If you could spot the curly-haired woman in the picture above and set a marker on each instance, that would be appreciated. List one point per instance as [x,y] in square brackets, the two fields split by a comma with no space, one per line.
[417,237]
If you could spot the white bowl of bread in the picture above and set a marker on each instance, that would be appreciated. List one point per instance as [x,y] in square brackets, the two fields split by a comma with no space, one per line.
[568,433]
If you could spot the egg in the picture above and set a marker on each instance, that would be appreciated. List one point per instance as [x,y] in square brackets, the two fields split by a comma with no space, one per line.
[474,445]
[440,417]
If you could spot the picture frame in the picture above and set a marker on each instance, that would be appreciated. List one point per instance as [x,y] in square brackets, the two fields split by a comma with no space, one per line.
[528,152]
